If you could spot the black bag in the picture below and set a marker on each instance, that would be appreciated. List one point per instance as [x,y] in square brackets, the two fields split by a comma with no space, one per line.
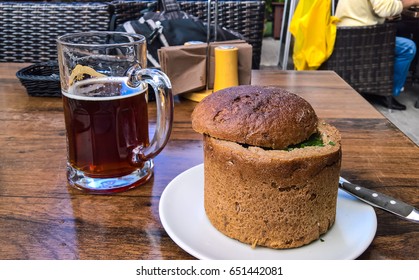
[172,27]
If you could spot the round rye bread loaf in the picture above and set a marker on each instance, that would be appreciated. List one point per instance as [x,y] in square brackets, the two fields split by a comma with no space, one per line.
[271,166]
[268,117]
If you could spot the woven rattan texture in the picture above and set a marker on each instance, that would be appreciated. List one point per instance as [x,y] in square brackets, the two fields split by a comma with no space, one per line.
[41,79]
[122,11]
[245,17]
[28,31]
[364,58]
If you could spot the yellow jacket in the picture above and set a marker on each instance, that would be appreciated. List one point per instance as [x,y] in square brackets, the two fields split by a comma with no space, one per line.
[314,31]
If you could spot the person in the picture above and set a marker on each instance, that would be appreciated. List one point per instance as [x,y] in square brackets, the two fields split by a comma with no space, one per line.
[371,12]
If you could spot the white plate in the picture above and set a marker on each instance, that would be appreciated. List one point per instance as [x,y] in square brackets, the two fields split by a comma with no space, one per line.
[183,217]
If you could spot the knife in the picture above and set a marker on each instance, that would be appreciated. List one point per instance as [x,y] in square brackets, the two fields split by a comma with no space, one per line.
[381,200]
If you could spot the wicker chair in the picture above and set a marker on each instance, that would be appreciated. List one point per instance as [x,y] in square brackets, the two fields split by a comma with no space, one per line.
[245,17]
[364,57]
[28,30]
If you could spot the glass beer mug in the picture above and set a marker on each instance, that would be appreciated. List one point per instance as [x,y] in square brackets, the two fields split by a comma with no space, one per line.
[104,83]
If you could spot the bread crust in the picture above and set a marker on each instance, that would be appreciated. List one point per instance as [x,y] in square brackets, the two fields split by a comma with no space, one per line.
[257,189]
[268,117]
[272,198]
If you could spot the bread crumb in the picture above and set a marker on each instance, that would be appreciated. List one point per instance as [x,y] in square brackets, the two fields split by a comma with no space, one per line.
[238,207]
[254,244]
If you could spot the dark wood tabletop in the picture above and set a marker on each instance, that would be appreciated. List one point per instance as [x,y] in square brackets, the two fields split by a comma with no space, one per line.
[41,217]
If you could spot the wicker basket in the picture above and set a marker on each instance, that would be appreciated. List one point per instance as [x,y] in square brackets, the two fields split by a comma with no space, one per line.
[41,79]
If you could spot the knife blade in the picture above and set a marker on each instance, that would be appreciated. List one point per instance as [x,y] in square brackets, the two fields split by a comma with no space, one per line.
[381,200]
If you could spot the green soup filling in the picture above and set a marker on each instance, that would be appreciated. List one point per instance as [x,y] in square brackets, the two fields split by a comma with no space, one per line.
[315,140]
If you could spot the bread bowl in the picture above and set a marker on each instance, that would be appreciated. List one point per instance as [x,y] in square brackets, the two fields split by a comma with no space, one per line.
[271,167]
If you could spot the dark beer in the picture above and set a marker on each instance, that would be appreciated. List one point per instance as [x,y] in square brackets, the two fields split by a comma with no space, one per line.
[105,119]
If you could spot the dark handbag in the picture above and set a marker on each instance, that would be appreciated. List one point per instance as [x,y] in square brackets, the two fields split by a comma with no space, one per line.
[173,27]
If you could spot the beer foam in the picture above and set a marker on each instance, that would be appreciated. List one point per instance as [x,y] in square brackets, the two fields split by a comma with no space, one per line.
[103,89]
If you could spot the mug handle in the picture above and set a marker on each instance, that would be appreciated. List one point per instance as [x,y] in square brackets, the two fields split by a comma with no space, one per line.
[164,103]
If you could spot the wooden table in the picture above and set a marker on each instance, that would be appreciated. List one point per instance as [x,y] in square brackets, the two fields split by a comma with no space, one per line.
[42,218]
